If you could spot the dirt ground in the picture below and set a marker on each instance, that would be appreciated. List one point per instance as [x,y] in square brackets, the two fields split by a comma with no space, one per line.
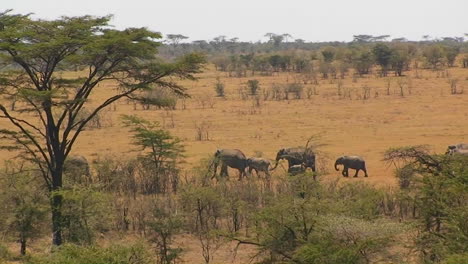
[427,114]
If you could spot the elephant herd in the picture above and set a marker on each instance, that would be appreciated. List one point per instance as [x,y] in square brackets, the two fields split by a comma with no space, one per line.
[298,158]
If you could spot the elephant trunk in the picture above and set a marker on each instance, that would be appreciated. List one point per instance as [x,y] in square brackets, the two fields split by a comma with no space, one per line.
[336,165]
[276,165]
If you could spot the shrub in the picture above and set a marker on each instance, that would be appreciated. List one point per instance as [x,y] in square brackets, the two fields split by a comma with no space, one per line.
[219,88]
[116,254]
[253,86]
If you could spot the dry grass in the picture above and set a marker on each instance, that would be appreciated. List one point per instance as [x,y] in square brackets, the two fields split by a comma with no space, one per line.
[429,115]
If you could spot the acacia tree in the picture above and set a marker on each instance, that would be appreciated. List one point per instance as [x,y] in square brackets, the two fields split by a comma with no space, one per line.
[50,117]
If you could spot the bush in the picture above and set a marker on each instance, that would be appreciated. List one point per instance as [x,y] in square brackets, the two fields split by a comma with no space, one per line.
[4,252]
[253,86]
[116,254]
[84,212]
[219,88]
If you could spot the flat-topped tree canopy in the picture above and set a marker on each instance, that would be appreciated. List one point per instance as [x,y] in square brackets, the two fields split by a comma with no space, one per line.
[34,53]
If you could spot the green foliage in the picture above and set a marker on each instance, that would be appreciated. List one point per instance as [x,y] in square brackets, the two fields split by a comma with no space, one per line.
[326,252]
[360,200]
[328,54]
[35,51]
[24,203]
[456,259]
[115,254]
[383,56]
[451,53]
[164,225]
[219,88]
[253,86]
[85,212]
[434,55]
[442,200]
[5,254]
[163,149]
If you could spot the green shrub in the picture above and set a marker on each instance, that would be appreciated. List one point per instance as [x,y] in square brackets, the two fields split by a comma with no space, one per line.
[116,254]
[457,259]
[326,252]
[4,252]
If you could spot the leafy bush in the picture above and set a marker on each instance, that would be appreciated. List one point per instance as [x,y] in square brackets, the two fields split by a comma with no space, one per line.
[116,254]
[4,252]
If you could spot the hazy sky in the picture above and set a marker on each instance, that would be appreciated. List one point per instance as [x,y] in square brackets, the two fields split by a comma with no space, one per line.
[249,20]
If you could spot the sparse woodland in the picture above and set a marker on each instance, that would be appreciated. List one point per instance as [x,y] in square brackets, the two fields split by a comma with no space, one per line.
[146,199]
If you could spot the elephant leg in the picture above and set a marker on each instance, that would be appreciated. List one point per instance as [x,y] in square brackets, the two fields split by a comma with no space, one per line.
[215,169]
[241,173]
[224,171]
[356,174]
[365,172]
[256,171]
[345,171]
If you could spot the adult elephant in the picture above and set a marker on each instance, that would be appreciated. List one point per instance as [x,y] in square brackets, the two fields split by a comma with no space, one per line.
[258,164]
[296,156]
[233,158]
[77,169]
[351,162]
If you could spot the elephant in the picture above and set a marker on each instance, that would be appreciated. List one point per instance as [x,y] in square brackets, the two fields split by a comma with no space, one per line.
[77,168]
[351,162]
[258,164]
[233,158]
[460,148]
[296,156]
[296,169]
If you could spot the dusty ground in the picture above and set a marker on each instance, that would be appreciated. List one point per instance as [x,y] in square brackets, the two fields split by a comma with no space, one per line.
[429,115]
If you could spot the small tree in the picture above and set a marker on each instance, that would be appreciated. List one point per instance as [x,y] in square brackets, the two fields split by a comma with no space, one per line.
[24,204]
[163,151]
[451,53]
[434,55]
[383,55]
[219,87]
[164,225]
[253,86]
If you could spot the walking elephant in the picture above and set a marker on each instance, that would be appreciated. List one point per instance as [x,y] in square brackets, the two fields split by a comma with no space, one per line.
[351,162]
[258,164]
[233,158]
[296,156]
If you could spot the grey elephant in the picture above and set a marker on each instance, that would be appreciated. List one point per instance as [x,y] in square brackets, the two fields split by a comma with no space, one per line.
[351,162]
[460,148]
[258,164]
[296,169]
[233,158]
[77,168]
[296,156]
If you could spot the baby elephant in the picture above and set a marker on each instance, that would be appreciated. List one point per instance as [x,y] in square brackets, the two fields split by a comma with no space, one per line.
[258,164]
[297,169]
[351,162]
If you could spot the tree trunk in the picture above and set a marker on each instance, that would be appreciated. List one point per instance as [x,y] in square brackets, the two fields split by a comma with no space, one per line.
[23,245]
[56,203]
